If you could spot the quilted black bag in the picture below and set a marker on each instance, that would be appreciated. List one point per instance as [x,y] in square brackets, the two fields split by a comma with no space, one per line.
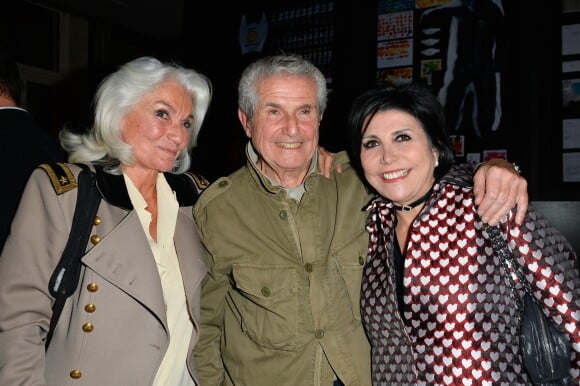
[545,349]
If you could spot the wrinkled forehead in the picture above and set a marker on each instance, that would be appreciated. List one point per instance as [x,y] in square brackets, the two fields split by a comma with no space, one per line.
[289,87]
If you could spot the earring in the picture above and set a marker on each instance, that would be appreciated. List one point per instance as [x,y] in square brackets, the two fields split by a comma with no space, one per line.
[436,162]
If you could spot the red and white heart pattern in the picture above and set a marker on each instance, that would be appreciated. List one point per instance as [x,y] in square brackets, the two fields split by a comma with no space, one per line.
[460,320]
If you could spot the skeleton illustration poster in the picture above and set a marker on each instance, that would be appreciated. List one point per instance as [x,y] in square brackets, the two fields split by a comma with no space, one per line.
[467,37]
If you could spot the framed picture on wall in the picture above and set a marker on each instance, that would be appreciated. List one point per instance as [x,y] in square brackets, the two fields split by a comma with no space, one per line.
[458,145]
[489,154]
[571,95]
[396,75]
[395,53]
[571,167]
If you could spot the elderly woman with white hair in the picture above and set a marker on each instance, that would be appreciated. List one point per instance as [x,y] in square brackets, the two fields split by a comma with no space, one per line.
[133,319]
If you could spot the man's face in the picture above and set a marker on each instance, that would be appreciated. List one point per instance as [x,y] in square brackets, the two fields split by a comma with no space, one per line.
[284,129]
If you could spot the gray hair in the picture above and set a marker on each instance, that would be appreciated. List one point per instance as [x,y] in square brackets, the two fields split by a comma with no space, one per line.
[275,65]
[117,94]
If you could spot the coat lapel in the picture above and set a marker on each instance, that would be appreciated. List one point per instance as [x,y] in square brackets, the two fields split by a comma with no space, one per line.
[190,256]
[130,265]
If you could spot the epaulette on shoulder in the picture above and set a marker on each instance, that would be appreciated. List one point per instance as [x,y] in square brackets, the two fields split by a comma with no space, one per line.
[200,182]
[216,188]
[61,176]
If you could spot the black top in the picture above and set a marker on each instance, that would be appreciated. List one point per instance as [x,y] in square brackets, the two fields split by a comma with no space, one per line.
[23,146]
[399,272]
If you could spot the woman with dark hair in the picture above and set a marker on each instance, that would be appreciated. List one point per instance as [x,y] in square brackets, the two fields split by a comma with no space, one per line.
[436,305]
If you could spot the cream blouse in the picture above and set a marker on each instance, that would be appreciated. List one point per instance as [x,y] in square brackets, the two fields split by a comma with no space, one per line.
[173,370]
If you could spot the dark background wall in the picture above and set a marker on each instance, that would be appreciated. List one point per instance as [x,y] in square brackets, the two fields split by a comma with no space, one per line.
[66,46]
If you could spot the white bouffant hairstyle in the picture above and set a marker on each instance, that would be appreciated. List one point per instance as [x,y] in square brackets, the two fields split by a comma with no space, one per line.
[117,94]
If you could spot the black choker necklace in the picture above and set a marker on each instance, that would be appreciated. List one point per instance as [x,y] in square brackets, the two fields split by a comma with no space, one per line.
[407,208]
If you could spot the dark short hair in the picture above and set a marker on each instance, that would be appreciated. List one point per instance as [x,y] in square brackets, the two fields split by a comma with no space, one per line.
[416,99]
[9,77]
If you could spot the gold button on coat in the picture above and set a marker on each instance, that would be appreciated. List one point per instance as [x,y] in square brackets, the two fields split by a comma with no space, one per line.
[88,327]
[95,239]
[75,374]
[90,308]
[92,287]
[97,220]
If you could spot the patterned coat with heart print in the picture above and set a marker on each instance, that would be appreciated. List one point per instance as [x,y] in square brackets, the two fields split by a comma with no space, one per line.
[461,322]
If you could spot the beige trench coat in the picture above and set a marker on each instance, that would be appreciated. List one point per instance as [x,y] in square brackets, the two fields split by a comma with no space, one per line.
[123,339]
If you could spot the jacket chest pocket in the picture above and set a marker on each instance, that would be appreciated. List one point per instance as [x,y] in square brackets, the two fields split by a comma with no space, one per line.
[267,304]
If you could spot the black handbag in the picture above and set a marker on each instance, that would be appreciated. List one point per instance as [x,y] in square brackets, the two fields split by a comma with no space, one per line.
[545,349]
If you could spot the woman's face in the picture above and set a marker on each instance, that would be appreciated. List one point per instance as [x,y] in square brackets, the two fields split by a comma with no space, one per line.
[397,156]
[157,127]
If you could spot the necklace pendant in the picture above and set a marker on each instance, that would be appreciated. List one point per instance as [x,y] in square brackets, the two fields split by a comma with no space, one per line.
[406,208]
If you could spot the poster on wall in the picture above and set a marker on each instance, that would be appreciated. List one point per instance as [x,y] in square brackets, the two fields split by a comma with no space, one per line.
[489,154]
[473,159]
[395,53]
[571,167]
[571,39]
[428,68]
[462,54]
[570,66]
[571,95]
[401,75]
[571,134]
[386,6]
[395,25]
[430,3]
[253,35]
[457,145]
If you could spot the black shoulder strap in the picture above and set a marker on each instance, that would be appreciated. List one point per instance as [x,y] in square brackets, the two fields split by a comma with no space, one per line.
[65,278]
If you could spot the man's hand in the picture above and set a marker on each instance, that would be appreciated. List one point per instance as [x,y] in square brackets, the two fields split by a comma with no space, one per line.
[498,187]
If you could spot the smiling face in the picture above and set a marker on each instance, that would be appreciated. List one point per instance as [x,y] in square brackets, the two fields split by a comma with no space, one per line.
[284,128]
[397,156]
[157,128]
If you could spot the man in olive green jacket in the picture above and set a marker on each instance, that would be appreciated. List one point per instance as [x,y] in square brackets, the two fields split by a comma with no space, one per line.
[285,245]
[282,301]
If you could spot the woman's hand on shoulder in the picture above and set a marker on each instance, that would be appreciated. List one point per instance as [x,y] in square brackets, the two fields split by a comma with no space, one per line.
[325,159]
[498,187]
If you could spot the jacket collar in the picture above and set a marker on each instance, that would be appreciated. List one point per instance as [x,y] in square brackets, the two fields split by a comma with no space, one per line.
[268,184]
[113,190]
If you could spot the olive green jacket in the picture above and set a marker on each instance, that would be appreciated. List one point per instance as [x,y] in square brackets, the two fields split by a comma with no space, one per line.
[280,305]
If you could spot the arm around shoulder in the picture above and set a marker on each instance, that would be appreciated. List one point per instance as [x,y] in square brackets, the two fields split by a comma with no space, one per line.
[499,187]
